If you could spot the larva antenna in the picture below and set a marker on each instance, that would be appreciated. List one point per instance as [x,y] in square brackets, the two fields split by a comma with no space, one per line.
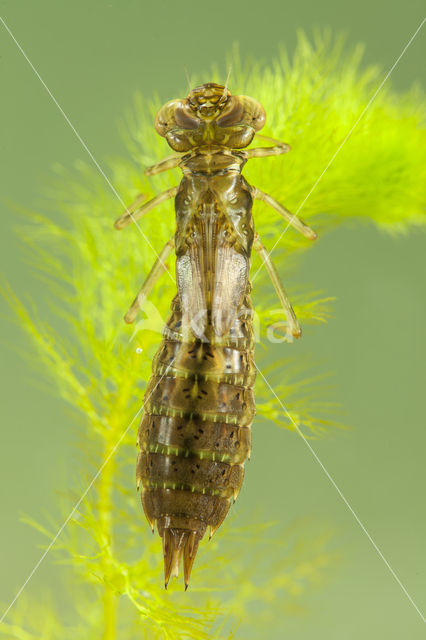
[188,79]
[225,89]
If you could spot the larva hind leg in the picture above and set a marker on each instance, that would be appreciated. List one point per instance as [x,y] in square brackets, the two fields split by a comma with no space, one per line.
[293,325]
[293,220]
[155,273]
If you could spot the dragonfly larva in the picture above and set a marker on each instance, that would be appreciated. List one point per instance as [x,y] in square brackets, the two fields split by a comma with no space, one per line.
[195,433]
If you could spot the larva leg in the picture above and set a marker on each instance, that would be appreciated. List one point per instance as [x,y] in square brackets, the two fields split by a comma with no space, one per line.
[130,216]
[164,165]
[293,220]
[156,271]
[277,149]
[137,203]
[293,324]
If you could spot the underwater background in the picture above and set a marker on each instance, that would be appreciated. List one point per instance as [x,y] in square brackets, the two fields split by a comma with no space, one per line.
[94,57]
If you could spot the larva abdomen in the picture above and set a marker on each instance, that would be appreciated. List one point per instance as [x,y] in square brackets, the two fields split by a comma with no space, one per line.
[194,439]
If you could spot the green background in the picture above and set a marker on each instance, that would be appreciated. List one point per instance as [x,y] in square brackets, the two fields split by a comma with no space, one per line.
[94,56]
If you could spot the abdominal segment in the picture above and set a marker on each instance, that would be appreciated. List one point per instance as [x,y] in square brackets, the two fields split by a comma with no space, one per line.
[195,435]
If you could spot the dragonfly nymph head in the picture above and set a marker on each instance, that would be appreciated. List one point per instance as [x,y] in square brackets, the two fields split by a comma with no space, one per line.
[208,100]
[210,115]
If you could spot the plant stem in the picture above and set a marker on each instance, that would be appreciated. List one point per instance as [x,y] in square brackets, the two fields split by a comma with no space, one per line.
[109,600]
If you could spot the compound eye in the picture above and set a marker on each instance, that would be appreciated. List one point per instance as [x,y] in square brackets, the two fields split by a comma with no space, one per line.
[175,114]
[185,118]
[258,119]
[164,119]
[160,125]
[233,113]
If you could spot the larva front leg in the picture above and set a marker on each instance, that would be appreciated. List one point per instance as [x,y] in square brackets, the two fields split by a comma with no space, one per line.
[164,165]
[277,149]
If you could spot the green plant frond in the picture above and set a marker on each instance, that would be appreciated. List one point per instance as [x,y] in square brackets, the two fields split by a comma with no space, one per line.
[310,308]
[299,397]
[101,367]
[33,621]
[313,308]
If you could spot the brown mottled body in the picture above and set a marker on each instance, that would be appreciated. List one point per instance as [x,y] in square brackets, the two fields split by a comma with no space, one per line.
[195,434]
[199,404]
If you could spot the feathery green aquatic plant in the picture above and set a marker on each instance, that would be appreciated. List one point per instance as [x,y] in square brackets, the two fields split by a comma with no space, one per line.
[100,366]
